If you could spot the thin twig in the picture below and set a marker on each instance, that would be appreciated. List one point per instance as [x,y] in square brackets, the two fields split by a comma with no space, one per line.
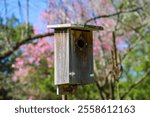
[115,49]
[113,14]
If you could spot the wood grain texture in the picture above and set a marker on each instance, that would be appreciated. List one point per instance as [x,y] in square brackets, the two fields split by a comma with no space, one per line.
[81,58]
[61,56]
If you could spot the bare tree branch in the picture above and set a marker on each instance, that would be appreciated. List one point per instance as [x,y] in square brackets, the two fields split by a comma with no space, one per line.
[113,14]
[135,84]
[140,37]
[101,90]
[23,41]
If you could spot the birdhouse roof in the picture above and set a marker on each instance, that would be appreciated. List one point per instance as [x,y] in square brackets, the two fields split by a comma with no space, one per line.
[75,26]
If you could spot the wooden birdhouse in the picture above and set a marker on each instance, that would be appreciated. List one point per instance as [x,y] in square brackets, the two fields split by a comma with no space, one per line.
[73,51]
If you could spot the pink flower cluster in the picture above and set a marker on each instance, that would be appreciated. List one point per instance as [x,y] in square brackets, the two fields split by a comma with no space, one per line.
[33,54]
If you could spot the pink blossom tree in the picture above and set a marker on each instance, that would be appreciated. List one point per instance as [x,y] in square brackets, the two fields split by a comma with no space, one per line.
[110,46]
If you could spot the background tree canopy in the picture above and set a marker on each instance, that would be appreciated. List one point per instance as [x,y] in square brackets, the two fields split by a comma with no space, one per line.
[121,50]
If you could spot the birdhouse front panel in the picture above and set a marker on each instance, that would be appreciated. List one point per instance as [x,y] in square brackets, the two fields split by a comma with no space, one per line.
[81,57]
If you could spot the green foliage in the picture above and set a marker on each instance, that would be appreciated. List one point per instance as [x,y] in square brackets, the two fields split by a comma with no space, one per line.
[13,31]
[6,87]
[141,92]
[136,65]
[10,34]
[86,92]
[38,84]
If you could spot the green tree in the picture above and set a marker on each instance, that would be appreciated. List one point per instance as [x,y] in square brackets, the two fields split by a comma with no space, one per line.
[10,34]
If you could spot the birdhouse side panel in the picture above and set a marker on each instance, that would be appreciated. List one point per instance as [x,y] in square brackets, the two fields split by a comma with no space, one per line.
[61,56]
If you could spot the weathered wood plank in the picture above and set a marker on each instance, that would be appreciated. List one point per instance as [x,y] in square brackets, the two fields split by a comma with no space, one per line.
[81,57]
[61,56]
[75,26]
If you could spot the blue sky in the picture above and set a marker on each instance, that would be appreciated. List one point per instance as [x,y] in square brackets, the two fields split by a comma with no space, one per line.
[35,9]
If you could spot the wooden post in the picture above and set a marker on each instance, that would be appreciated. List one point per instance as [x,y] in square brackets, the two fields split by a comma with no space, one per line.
[64,97]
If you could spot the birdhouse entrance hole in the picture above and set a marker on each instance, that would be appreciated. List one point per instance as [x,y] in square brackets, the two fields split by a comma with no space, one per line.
[80,43]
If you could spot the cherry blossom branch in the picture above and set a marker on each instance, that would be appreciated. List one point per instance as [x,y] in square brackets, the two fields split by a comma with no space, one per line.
[113,14]
[22,42]
[135,84]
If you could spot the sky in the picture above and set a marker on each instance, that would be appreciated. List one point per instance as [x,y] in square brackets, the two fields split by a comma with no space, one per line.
[36,7]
